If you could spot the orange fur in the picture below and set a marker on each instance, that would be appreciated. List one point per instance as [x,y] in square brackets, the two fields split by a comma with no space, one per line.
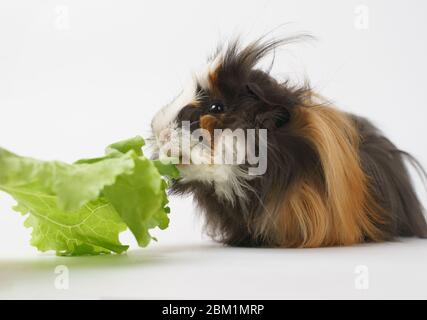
[339,211]
[213,77]
[208,122]
[305,219]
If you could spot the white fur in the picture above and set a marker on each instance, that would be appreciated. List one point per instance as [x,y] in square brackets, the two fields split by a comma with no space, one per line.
[202,76]
[167,115]
[229,180]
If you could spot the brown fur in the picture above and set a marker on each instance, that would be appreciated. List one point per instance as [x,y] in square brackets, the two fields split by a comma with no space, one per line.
[208,123]
[332,178]
[341,211]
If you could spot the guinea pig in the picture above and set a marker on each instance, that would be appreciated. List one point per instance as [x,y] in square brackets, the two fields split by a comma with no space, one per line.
[331,178]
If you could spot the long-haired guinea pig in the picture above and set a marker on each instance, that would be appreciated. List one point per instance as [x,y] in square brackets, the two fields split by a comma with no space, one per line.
[331,179]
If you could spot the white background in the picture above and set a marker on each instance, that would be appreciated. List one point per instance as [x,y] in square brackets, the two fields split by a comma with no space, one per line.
[78,75]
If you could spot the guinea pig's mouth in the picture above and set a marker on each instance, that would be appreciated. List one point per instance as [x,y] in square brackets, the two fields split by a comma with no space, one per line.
[188,146]
[180,144]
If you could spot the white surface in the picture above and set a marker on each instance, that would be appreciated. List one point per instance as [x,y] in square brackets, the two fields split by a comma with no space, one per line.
[202,270]
[78,75]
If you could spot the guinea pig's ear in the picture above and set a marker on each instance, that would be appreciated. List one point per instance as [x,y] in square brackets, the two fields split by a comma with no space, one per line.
[256,91]
[273,116]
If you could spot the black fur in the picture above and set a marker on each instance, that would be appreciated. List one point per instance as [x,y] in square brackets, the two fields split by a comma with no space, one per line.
[253,99]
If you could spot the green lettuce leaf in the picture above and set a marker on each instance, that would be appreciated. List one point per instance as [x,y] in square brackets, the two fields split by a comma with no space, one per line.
[92,229]
[141,199]
[81,208]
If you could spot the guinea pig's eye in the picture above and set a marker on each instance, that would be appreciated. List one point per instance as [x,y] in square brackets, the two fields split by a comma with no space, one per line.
[216,107]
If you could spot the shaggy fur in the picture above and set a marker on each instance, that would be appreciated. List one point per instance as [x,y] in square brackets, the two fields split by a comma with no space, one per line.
[332,178]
